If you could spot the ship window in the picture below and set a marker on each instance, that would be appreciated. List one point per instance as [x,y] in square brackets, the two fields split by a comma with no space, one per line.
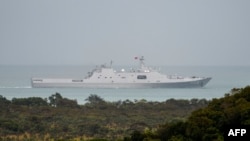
[141,77]
[123,77]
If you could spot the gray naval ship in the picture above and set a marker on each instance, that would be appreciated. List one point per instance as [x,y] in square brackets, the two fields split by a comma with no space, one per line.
[106,77]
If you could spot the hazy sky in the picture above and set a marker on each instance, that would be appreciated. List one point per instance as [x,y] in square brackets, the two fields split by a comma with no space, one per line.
[166,32]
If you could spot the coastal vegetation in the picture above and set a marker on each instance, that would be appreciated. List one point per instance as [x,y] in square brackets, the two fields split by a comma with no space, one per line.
[57,118]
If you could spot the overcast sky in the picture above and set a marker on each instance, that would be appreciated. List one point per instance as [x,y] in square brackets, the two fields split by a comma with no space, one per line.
[83,32]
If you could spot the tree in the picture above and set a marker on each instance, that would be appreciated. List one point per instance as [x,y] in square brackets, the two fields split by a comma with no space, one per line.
[4,101]
[54,99]
[95,99]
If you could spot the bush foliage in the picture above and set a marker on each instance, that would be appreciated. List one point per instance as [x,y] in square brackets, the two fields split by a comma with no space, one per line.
[59,118]
[209,123]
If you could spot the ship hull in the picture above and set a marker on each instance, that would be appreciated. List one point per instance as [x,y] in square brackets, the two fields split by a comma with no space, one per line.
[67,83]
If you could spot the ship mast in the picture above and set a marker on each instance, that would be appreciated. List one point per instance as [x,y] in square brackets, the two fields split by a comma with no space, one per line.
[142,68]
[142,65]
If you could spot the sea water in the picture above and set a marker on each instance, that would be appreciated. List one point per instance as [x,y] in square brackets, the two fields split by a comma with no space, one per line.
[15,82]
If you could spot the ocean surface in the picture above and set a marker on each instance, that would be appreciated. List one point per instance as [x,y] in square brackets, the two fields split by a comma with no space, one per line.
[15,83]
